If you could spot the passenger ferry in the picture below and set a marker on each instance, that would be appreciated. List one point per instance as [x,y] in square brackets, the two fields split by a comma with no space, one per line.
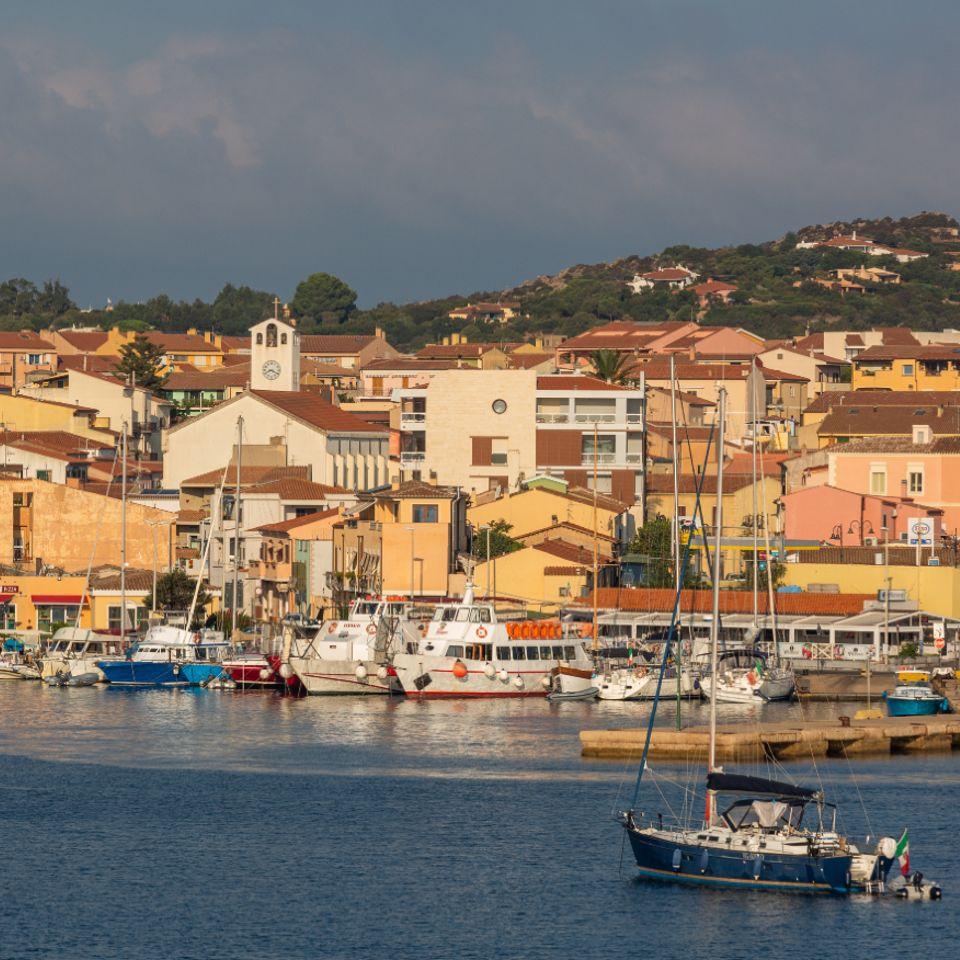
[353,656]
[466,652]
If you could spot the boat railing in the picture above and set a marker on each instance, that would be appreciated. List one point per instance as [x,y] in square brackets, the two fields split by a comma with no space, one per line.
[657,821]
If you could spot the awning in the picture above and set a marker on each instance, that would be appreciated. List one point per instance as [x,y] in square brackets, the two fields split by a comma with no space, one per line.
[6,597]
[66,598]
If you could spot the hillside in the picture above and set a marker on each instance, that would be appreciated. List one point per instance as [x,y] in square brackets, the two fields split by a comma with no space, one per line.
[784,288]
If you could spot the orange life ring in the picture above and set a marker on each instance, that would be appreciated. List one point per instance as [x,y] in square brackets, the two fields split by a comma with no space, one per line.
[526,630]
[481,632]
[331,628]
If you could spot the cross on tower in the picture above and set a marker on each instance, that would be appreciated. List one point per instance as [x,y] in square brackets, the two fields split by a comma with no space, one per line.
[276,308]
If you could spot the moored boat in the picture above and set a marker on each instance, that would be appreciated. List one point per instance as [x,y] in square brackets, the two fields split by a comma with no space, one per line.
[467,652]
[75,650]
[917,699]
[154,661]
[354,655]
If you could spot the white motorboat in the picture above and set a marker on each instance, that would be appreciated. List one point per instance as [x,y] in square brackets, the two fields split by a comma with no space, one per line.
[466,652]
[640,683]
[75,650]
[13,669]
[353,656]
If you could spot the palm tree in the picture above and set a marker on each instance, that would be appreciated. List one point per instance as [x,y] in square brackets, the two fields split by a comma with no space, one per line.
[612,366]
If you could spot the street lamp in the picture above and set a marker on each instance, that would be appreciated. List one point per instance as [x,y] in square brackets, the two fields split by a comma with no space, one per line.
[862,527]
[420,561]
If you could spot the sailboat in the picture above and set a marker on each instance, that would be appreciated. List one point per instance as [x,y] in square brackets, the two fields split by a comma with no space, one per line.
[756,833]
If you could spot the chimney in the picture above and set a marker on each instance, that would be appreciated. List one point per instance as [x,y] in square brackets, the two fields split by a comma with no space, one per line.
[191,331]
[378,333]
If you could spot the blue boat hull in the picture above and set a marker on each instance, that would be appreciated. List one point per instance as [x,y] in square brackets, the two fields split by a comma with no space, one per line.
[198,674]
[142,673]
[912,707]
[661,859]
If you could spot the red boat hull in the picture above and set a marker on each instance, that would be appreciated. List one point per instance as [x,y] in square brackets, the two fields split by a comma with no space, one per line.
[261,674]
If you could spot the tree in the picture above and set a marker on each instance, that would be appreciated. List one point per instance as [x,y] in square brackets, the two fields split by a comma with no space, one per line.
[652,545]
[612,366]
[323,297]
[237,309]
[175,592]
[54,299]
[140,358]
[501,542]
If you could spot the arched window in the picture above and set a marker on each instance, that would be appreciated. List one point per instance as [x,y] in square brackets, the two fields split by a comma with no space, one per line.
[283,339]
[272,335]
[259,339]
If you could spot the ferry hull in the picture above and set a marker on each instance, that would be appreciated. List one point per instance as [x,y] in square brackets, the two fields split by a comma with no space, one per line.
[425,677]
[657,859]
[339,678]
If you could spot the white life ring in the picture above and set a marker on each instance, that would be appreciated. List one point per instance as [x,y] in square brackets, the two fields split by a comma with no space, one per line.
[481,632]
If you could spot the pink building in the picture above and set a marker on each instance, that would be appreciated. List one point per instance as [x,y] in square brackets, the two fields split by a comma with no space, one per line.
[845,518]
[379,378]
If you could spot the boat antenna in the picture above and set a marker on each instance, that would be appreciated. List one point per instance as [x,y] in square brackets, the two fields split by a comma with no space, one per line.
[596,554]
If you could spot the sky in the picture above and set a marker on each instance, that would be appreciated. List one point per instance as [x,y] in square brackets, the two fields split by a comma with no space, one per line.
[419,149]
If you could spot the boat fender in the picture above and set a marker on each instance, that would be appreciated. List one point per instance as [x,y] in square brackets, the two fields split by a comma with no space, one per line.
[757,866]
[286,671]
[546,681]
[489,671]
[460,670]
[265,674]
[704,861]
[503,676]
[677,859]
[518,682]
[361,672]
[176,669]
[371,629]
[382,672]
[331,628]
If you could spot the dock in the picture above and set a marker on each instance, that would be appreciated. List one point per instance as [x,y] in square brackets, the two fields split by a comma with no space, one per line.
[781,741]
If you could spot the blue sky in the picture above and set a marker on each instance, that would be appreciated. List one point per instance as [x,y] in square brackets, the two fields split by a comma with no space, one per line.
[421,148]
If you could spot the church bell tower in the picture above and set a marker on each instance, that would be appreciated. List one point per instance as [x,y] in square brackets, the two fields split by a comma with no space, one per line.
[274,354]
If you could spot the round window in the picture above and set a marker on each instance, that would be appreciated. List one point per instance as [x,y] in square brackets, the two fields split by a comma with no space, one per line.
[499,406]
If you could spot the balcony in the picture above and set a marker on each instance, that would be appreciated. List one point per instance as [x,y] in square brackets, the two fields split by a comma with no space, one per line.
[587,459]
[412,457]
[595,418]
[634,458]
[270,570]
[634,418]
[553,418]
[412,416]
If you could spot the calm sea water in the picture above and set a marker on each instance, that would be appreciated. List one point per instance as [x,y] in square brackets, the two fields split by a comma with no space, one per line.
[223,825]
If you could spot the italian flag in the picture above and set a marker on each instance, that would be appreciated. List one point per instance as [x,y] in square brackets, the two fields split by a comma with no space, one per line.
[903,852]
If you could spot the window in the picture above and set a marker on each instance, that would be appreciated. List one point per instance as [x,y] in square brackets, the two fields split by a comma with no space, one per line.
[519,653]
[8,616]
[878,480]
[533,653]
[499,406]
[498,451]
[259,339]
[908,369]
[49,613]
[544,653]
[283,338]
[915,480]
[135,616]
[557,653]
[503,653]
[425,513]
[454,651]
[34,358]
[606,447]
[272,335]
[570,653]
[43,475]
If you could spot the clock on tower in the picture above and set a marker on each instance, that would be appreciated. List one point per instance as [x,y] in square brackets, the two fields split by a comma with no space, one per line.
[274,355]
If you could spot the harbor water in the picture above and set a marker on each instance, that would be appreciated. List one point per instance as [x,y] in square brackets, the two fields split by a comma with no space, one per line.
[208,825]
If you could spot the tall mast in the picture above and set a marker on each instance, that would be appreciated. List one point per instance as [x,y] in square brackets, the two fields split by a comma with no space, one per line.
[596,556]
[675,538]
[236,532]
[715,620]
[753,426]
[123,535]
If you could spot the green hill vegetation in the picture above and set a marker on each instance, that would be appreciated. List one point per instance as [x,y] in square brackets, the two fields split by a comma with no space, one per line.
[776,294]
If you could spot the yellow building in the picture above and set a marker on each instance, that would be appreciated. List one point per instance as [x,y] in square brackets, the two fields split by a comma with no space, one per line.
[405,541]
[934,589]
[544,575]
[546,503]
[907,367]
[61,526]
[19,413]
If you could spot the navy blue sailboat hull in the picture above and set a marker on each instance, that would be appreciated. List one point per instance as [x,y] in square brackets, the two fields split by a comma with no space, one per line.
[662,859]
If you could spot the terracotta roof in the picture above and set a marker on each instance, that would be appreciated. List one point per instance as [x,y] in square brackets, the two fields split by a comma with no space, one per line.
[315,411]
[564,525]
[583,495]
[713,286]
[683,433]
[904,252]
[910,351]
[408,363]
[417,489]
[847,241]
[526,361]
[84,340]
[108,578]
[622,335]
[24,340]
[768,463]
[285,526]
[689,398]
[914,399]
[667,273]
[324,370]
[570,552]
[888,421]
[663,483]
[248,475]
[897,445]
[295,488]
[89,362]
[659,369]
[192,378]
[181,342]
[731,601]
[567,384]
[440,351]
[335,342]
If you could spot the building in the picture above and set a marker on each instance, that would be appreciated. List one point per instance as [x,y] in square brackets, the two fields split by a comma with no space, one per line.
[20,413]
[624,336]
[116,402]
[907,367]
[349,351]
[380,378]
[455,348]
[481,430]
[821,372]
[23,356]
[832,515]
[714,291]
[665,278]
[405,540]
[50,524]
[483,312]
[850,422]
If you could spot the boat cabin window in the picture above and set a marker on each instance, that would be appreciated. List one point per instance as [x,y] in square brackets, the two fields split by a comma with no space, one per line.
[557,653]
[769,815]
[503,653]
[365,609]
[463,615]
[480,615]
[479,651]
[519,653]
[545,653]
[454,651]
[446,614]
[533,653]
[570,653]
